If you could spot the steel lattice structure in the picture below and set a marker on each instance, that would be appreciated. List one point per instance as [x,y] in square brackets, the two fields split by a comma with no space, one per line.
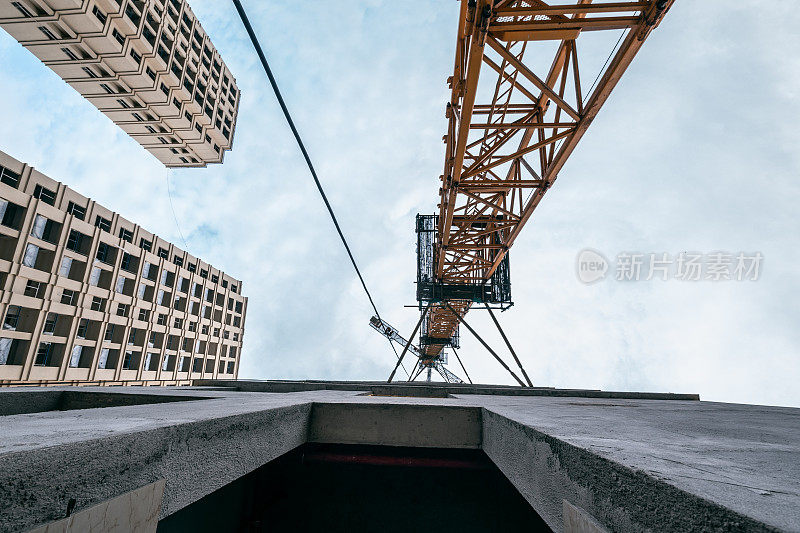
[514,119]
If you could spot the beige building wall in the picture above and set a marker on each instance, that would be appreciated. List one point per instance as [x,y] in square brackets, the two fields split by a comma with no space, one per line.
[87,295]
[147,64]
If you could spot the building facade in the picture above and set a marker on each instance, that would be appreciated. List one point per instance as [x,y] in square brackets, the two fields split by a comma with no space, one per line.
[146,64]
[89,296]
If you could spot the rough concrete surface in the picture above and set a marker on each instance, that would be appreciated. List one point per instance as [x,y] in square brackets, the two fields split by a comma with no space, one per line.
[133,512]
[632,464]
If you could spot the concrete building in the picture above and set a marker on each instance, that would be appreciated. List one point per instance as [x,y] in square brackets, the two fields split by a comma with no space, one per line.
[355,456]
[146,64]
[90,296]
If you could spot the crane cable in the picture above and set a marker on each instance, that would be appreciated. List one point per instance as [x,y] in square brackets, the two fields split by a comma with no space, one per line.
[277,91]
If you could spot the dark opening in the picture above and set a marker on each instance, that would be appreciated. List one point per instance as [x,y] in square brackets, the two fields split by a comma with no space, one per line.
[364,488]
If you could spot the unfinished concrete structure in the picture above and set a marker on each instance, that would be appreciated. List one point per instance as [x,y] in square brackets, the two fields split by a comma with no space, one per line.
[146,64]
[86,295]
[582,460]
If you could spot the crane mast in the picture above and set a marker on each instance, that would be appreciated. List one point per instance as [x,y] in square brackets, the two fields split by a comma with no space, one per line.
[518,108]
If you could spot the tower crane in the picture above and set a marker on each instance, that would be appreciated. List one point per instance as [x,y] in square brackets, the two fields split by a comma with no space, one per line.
[518,108]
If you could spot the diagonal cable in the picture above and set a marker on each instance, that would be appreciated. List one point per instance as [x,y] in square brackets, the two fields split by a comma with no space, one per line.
[296,134]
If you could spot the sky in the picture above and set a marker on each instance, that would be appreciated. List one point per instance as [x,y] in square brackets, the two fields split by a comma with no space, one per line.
[695,151]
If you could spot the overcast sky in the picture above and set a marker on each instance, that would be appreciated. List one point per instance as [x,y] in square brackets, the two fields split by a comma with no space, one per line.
[696,150]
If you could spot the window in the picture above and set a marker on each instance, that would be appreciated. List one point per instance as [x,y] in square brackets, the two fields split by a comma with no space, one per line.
[132,336]
[94,277]
[50,324]
[233,288]
[102,223]
[204,274]
[136,56]
[104,253]
[8,177]
[149,271]
[129,262]
[162,319]
[47,33]
[76,211]
[120,288]
[204,330]
[239,307]
[178,322]
[191,267]
[75,357]
[128,361]
[89,72]
[232,352]
[151,362]
[102,361]
[123,309]
[216,332]
[118,36]
[66,266]
[193,326]
[100,15]
[109,332]
[69,53]
[125,235]
[45,229]
[78,242]
[31,253]
[34,289]
[83,328]
[123,103]
[214,278]
[45,195]
[22,9]
[12,317]
[168,278]
[197,365]
[178,260]
[224,283]
[146,245]
[144,315]
[187,345]
[69,297]
[43,354]
[162,252]
[98,304]
[231,366]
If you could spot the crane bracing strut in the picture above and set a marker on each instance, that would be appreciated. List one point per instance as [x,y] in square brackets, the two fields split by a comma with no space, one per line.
[512,125]
[437,363]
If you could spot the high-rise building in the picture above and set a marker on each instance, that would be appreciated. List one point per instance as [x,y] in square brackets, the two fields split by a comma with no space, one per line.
[86,295]
[146,64]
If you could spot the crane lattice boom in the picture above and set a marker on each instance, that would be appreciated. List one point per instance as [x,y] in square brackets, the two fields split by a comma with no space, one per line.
[513,120]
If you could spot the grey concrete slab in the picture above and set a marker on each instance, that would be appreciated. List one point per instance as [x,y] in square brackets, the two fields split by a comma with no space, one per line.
[744,458]
[396,424]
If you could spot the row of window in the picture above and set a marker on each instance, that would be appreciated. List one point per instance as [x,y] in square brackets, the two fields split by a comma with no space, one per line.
[11,215]
[50,354]
[24,319]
